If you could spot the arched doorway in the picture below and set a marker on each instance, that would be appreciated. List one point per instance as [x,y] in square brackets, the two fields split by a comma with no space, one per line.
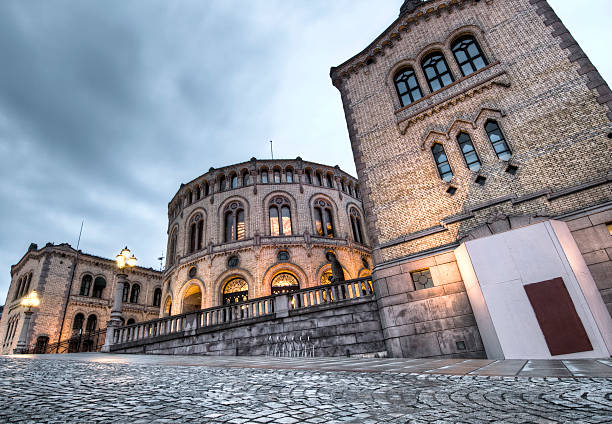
[168,306]
[284,282]
[192,299]
[235,290]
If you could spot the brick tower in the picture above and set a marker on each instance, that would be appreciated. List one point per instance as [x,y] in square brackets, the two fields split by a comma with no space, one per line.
[482,138]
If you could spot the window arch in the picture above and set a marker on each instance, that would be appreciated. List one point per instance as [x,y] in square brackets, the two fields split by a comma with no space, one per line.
[234,180]
[469,152]
[198,192]
[264,176]
[308,174]
[26,284]
[77,322]
[190,197]
[98,287]
[234,222]
[496,136]
[135,293]
[86,285]
[468,54]
[342,185]
[157,294]
[196,233]
[276,174]
[92,323]
[407,86]
[289,175]
[284,282]
[222,183]
[329,178]
[356,226]
[172,247]
[323,217]
[436,71]
[444,169]
[131,321]
[318,178]
[206,188]
[126,292]
[246,178]
[280,217]
[235,290]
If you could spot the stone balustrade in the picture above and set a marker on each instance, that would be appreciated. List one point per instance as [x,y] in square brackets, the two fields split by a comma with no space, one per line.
[277,306]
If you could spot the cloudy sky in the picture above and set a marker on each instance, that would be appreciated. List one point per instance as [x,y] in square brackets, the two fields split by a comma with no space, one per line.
[107,106]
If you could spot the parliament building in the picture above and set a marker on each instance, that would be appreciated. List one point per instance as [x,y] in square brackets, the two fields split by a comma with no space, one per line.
[480,224]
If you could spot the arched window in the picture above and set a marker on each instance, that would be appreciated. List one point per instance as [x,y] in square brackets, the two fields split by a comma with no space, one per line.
[318,178]
[190,198]
[135,293]
[234,181]
[77,322]
[342,185]
[206,188]
[280,217]
[98,287]
[357,193]
[468,55]
[277,176]
[172,248]
[350,189]
[168,306]
[222,183]
[436,71]
[323,217]
[131,321]
[264,176]
[468,151]
[284,282]
[198,192]
[407,86]
[86,285]
[289,175]
[126,292]
[498,140]
[235,290]
[234,222]
[157,294]
[308,175]
[444,168]
[26,288]
[92,323]
[330,180]
[356,226]
[326,277]
[246,178]
[196,233]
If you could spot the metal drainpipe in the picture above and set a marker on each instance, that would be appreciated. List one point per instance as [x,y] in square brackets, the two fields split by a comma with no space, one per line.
[76,261]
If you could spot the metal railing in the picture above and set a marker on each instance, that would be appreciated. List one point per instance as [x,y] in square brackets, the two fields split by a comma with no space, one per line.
[235,312]
[90,341]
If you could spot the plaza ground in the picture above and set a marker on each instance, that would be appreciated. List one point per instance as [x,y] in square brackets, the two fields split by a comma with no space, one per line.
[175,389]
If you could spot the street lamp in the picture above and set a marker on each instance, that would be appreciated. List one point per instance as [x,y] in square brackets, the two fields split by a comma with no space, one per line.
[30,301]
[125,260]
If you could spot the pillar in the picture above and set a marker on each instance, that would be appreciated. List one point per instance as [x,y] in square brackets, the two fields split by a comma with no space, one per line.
[115,315]
[22,344]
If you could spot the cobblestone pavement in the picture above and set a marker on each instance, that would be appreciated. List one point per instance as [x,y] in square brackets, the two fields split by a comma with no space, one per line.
[141,389]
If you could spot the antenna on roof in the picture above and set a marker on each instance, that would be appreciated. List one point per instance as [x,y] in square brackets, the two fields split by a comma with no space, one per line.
[80,232]
[161,261]
[271,151]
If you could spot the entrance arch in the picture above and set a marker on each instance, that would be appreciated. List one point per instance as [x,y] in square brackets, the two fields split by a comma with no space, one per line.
[235,290]
[192,299]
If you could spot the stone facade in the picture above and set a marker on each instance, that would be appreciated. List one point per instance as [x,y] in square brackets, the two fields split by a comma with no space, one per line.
[554,111]
[201,265]
[51,271]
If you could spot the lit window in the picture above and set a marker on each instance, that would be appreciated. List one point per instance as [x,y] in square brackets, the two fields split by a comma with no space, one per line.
[609,225]
[280,217]
[498,140]
[234,222]
[284,283]
[436,71]
[444,168]
[468,54]
[407,86]
[324,223]
[235,290]
[468,151]
[422,279]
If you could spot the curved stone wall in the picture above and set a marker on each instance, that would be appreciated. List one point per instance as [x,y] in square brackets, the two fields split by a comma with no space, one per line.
[203,258]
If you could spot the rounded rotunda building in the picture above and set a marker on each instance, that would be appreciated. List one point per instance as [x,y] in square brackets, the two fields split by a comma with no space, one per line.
[259,228]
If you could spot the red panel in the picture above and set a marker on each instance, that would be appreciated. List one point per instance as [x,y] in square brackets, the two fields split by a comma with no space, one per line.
[557,316]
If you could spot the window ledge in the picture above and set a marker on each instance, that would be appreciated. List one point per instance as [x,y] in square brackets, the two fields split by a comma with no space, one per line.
[465,87]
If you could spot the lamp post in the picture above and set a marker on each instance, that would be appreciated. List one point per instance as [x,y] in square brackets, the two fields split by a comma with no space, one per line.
[30,301]
[125,260]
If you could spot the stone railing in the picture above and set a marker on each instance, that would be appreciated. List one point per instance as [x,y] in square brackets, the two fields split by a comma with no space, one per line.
[271,306]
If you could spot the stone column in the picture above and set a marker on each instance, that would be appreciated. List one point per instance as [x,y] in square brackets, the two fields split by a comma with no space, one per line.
[22,344]
[281,306]
[115,315]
